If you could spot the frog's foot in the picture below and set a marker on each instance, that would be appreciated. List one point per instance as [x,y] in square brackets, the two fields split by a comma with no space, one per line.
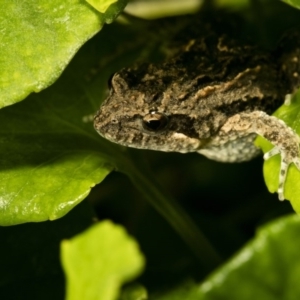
[285,140]
[284,166]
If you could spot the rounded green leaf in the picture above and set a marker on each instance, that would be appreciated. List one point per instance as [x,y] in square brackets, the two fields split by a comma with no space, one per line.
[290,114]
[50,158]
[267,268]
[39,38]
[48,162]
[98,261]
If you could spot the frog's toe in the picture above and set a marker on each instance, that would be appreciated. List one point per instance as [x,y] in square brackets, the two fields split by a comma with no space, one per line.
[283,170]
[280,192]
[286,160]
[272,152]
[282,176]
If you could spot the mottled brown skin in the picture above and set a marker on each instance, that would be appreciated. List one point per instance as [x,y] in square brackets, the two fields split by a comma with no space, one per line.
[213,97]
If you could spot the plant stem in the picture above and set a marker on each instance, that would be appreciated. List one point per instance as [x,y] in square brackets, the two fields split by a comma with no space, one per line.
[177,218]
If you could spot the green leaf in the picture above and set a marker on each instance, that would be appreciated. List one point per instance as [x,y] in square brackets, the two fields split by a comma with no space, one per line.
[98,261]
[290,114]
[294,3]
[50,158]
[49,162]
[39,38]
[266,268]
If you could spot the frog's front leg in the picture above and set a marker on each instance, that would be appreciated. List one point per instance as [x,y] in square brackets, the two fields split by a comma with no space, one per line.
[284,139]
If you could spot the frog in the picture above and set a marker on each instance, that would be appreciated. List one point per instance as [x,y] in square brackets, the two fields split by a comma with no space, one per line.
[213,96]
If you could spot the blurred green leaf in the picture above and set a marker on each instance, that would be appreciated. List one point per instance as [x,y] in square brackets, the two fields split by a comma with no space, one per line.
[295,3]
[134,292]
[290,114]
[98,261]
[232,3]
[152,9]
[39,38]
[266,268]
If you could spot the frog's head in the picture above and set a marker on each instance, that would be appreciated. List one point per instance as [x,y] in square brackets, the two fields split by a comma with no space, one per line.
[138,113]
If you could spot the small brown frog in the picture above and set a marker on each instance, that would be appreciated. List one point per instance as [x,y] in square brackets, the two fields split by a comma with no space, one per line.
[214,96]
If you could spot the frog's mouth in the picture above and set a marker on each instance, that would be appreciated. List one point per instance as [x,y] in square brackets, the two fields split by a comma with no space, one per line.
[154,131]
[167,141]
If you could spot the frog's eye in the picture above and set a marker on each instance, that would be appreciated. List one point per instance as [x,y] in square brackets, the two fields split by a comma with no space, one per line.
[155,121]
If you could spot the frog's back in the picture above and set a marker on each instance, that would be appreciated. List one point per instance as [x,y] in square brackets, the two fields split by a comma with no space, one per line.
[211,79]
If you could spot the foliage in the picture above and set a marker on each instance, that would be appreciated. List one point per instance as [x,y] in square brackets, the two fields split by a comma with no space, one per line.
[38,39]
[290,114]
[97,267]
[51,158]
[255,271]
